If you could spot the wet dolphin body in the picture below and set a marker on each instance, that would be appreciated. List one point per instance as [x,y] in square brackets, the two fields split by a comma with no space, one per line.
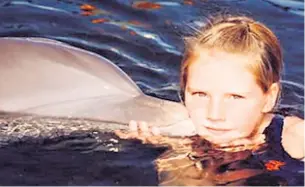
[47,77]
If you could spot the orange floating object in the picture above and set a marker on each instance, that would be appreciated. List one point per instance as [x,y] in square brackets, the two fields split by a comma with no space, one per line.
[146,5]
[135,22]
[132,33]
[86,13]
[87,7]
[100,20]
[188,2]
[273,165]
[123,27]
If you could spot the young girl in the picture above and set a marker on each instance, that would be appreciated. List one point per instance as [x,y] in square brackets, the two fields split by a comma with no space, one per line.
[230,82]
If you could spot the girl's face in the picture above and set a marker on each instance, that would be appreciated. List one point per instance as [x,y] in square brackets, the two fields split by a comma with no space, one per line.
[222,97]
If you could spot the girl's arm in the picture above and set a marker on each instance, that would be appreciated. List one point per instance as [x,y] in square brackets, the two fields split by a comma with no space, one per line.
[293,137]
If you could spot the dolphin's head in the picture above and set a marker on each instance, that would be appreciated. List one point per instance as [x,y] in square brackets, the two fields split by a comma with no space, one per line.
[47,77]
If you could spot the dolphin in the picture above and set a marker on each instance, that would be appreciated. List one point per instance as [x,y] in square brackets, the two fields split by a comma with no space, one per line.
[46,77]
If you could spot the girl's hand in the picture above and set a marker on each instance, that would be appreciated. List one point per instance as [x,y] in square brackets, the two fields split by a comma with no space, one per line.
[146,133]
[140,130]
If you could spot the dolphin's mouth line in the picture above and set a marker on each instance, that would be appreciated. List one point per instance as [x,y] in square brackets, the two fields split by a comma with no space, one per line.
[172,124]
[68,101]
[178,129]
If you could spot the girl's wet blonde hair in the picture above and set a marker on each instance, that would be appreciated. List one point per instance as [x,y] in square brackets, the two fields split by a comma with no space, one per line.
[240,35]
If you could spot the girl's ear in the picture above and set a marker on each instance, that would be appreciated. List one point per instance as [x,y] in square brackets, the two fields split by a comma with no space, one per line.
[272,97]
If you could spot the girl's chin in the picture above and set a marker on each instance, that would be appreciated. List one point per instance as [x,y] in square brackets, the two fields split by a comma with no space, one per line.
[219,139]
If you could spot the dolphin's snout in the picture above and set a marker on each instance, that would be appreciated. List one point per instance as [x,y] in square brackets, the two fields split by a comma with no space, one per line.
[181,128]
[171,117]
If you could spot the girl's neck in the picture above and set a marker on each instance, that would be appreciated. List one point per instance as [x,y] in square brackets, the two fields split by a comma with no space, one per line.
[258,134]
[265,122]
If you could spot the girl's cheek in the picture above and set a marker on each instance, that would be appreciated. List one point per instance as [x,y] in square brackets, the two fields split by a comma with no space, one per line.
[197,115]
[193,103]
[196,109]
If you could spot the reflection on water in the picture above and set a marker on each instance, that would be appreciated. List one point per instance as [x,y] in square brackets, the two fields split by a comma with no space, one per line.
[37,150]
[211,167]
[144,38]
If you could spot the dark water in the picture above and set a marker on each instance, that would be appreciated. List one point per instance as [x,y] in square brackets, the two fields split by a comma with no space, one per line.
[78,160]
[147,44]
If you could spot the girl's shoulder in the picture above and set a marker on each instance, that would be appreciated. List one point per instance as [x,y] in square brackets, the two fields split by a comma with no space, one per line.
[293,136]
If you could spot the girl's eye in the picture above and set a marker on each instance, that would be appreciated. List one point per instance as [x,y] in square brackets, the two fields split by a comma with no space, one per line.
[199,94]
[234,96]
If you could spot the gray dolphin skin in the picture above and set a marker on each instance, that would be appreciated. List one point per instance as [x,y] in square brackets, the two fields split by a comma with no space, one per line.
[50,78]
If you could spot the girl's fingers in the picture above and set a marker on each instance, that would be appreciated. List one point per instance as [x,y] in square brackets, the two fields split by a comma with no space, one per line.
[144,129]
[133,126]
[143,126]
[155,131]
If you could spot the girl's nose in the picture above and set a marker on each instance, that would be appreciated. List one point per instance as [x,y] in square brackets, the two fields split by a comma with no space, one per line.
[216,110]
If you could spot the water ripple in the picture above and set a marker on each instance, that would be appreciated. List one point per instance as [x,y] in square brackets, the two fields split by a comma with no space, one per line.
[39,6]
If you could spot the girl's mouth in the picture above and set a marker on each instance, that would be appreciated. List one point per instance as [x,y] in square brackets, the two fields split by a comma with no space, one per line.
[217,132]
